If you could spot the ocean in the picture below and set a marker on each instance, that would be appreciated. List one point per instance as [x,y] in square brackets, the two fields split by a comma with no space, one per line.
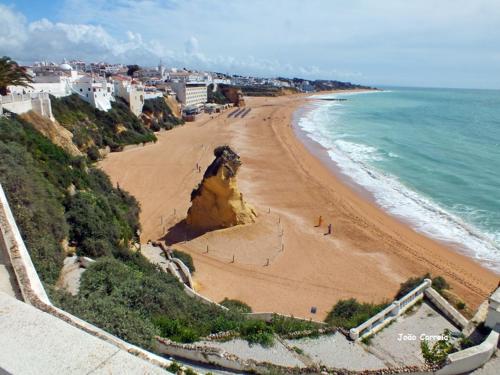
[430,157]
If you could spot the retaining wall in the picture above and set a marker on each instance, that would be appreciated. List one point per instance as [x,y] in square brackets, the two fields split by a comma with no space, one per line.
[37,102]
[445,308]
[470,358]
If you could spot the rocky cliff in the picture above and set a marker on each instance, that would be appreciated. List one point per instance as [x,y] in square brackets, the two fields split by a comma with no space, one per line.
[159,114]
[217,202]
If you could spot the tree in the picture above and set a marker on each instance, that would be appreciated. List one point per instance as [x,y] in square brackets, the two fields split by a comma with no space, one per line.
[132,69]
[12,74]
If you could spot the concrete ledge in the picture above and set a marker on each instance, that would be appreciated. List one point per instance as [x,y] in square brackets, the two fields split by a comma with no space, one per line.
[445,308]
[470,358]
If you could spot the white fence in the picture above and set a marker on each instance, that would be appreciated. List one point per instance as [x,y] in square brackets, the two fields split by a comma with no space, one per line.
[391,312]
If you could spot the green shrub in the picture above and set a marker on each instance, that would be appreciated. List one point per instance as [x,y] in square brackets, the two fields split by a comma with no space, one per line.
[410,284]
[351,313]
[257,332]
[438,352]
[186,259]
[175,329]
[174,367]
[236,305]
[440,284]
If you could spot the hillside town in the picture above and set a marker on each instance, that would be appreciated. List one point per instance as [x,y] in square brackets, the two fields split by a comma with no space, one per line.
[100,83]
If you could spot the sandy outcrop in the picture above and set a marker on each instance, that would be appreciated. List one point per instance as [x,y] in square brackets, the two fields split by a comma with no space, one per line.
[234,95]
[217,202]
[53,131]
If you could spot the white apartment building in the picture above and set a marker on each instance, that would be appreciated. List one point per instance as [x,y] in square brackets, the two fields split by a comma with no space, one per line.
[190,94]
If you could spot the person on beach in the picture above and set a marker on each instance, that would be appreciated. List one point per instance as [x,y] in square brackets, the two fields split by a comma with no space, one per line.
[320,221]
[329,228]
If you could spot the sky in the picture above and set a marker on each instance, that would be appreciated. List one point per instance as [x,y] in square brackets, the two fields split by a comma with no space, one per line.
[428,43]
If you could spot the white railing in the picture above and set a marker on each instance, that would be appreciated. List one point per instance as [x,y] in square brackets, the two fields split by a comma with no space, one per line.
[15,98]
[391,312]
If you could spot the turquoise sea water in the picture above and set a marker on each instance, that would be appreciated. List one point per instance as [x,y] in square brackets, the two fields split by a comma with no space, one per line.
[428,156]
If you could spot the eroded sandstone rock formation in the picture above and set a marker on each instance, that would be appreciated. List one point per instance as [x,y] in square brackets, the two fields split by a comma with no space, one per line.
[216,202]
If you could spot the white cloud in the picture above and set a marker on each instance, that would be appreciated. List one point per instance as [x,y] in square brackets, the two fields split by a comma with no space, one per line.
[388,41]
[46,40]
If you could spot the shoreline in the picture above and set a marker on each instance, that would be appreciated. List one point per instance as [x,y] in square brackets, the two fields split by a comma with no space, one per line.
[369,254]
[321,153]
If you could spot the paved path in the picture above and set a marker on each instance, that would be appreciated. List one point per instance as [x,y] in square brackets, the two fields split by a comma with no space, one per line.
[34,342]
[277,354]
[336,351]
[425,320]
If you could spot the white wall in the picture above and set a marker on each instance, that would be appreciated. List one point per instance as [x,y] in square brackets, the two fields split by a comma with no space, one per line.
[471,358]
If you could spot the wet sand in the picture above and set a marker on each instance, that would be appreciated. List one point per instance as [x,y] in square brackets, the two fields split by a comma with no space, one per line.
[368,255]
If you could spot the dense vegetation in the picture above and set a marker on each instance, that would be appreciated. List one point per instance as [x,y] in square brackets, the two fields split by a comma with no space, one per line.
[56,197]
[160,115]
[93,129]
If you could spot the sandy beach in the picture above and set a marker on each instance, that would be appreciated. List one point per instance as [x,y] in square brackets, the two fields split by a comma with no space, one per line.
[284,262]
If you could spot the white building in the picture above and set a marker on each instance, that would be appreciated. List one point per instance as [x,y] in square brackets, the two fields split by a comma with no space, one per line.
[53,79]
[95,90]
[133,93]
[190,94]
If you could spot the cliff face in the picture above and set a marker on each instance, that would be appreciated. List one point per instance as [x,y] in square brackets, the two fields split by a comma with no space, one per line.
[157,114]
[54,131]
[234,95]
[217,202]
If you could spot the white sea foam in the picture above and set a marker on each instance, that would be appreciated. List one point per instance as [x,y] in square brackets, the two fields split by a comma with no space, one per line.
[354,160]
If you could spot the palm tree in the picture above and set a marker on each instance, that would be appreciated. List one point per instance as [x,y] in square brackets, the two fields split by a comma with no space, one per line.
[12,74]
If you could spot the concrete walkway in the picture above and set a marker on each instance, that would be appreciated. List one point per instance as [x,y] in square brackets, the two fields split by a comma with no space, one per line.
[405,350]
[336,351]
[277,354]
[34,342]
